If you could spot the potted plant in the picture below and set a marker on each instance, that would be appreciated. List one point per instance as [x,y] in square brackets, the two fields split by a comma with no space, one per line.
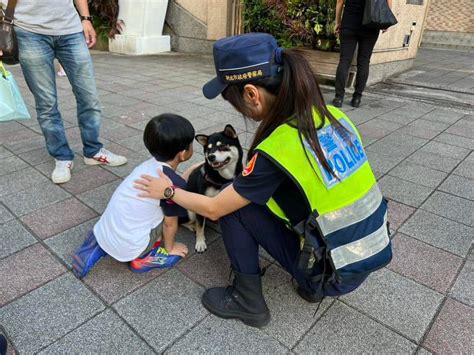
[295,23]
[309,24]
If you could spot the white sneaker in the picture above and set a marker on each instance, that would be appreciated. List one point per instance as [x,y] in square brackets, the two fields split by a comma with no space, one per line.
[105,157]
[62,171]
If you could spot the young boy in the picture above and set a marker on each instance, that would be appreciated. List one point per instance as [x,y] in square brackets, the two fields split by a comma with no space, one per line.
[130,227]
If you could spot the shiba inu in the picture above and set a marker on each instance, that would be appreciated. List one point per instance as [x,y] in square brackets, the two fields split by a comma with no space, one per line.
[223,162]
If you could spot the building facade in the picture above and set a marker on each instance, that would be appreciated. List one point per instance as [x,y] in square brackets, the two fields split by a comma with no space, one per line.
[450,24]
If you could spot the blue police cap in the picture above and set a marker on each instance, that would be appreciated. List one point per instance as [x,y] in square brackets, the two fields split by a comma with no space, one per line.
[241,59]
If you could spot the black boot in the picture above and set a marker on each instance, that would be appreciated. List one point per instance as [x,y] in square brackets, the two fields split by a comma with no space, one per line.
[355,102]
[243,300]
[337,102]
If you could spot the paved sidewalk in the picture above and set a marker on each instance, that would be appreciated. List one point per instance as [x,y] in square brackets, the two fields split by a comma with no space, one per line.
[422,302]
[442,69]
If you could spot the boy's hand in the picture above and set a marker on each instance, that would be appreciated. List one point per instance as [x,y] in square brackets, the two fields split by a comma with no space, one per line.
[179,249]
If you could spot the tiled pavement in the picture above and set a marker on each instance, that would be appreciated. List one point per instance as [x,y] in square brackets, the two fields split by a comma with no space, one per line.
[422,302]
[447,70]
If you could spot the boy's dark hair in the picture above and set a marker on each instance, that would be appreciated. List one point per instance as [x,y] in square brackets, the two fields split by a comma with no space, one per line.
[166,135]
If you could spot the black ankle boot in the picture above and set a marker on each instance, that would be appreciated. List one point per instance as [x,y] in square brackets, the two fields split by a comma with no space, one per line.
[337,102]
[355,102]
[243,300]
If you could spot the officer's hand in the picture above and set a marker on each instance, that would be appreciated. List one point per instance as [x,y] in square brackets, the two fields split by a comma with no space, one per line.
[89,33]
[153,187]
[1,53]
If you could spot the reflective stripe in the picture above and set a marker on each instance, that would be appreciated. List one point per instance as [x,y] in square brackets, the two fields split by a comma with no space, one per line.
[361,249]
[346,216]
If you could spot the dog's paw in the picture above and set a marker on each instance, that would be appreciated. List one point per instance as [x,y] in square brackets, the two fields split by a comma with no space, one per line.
[201,246]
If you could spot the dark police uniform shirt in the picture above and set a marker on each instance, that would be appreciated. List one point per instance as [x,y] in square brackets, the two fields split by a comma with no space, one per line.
[262,179]
[171,209]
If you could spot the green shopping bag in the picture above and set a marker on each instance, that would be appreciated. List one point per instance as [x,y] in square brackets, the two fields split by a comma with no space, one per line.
[12,106]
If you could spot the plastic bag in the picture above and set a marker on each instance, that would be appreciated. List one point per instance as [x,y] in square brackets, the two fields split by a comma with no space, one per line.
[12,106]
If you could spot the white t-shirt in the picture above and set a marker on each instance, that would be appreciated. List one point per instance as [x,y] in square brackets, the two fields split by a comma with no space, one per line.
[123,231]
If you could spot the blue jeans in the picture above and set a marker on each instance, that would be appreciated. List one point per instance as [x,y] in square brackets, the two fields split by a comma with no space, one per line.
[37,54]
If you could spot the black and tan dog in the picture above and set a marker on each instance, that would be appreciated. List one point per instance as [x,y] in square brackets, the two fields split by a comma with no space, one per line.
[223,162]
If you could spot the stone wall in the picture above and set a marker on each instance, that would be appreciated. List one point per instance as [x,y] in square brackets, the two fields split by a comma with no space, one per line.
[195,25]
[450,24]
[450,16]
[390,45]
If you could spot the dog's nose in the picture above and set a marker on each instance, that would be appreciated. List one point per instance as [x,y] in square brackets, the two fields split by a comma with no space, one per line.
[211,157]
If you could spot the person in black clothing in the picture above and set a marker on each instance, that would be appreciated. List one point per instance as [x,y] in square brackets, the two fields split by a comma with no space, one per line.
[351,33]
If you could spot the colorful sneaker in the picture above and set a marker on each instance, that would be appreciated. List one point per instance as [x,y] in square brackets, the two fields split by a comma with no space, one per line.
[62,171]
[87,256]
[156,259]
[104,157]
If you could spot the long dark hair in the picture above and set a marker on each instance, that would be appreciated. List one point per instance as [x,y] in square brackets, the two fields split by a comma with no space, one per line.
[297,94]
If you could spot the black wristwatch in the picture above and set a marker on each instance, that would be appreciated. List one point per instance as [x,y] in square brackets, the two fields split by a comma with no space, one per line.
[169,192]
[86,18]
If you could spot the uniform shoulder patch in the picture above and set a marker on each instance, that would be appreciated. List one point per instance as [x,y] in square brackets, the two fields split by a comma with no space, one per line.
[250,165]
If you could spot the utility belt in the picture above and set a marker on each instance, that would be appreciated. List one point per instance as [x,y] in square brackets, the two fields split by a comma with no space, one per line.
[343,258]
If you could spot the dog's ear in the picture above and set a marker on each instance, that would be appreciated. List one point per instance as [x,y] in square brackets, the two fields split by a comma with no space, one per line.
[201,139]
[229,131]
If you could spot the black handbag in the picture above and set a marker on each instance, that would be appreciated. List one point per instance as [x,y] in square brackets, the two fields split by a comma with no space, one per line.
[8,43]
[377,14]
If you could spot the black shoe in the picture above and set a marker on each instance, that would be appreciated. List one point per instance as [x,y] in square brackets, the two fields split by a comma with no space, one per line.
[355,102]
[310,297]
[243,300]
[337,102]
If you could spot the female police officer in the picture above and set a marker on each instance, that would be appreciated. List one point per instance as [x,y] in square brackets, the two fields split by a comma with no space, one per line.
[308,195]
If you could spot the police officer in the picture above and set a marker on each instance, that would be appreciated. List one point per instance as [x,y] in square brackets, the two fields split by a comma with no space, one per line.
[307,196]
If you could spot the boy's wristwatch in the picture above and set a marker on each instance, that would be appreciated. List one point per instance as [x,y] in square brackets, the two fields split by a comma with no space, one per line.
[169,192]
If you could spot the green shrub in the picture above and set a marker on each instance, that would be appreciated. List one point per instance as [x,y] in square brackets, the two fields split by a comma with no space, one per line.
[258,17]
[294,23]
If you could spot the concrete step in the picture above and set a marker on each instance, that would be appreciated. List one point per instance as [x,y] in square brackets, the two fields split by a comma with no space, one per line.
[431,95]
[448,40]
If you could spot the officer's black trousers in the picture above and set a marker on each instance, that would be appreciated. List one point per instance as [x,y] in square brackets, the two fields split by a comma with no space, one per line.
[245,229]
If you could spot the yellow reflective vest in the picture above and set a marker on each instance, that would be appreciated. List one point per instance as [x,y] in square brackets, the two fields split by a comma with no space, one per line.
[347,208]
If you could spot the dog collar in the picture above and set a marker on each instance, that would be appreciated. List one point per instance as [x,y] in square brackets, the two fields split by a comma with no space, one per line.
[212,182]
